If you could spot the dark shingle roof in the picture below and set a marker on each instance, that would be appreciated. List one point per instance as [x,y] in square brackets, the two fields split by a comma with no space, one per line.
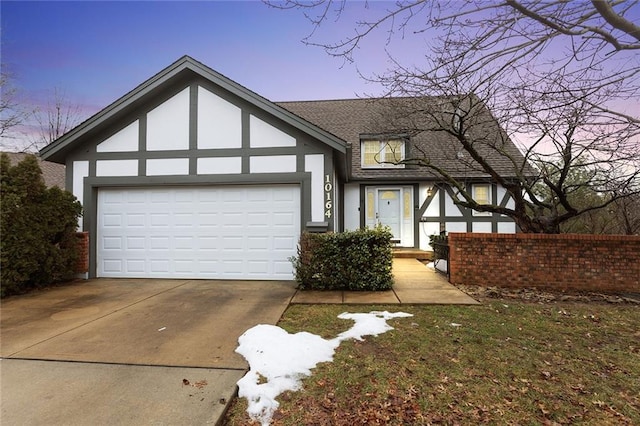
[418,118]
[52,173]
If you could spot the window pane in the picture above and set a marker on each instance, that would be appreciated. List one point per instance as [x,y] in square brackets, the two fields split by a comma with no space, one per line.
[371,153]
[393,151]
[481,194]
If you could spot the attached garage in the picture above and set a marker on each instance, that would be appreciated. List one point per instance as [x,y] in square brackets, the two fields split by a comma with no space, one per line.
[191,175]
[215,232]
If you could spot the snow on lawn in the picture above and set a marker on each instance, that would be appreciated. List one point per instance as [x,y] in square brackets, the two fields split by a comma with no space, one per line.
[278,361]
[440,265]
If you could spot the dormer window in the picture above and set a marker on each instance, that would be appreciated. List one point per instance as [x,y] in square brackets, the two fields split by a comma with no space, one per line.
[386,153]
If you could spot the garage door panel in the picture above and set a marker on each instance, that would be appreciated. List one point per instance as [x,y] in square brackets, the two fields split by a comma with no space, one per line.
[284,243]
[112,243]
[234,219]
[159,220]
[235,232]
[185,196]
[258,244]
[135,266]
[185,243]
[136,243]
[281,268]
[159,243]
[208,267]
[232,267]
[113,266]
[134,220]
[184,219]
[233,243]
[258,219]
[184,266]
[283,219]
[160,266]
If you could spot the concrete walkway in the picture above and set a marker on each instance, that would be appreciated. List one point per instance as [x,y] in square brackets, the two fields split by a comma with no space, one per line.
[414,283]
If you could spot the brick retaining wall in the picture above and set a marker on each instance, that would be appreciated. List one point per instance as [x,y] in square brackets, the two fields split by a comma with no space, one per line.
[608,263]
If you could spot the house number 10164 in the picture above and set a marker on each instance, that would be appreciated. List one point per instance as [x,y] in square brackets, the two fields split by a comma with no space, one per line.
[328,205]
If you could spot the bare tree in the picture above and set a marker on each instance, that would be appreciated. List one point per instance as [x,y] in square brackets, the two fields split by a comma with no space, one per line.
[58,117]
[561,77]
[11,115]
[626,215]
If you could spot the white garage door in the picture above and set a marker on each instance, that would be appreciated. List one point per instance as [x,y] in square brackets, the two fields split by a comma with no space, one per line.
[229,232]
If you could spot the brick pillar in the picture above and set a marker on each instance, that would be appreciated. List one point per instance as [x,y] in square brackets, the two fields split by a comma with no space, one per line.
[82,267]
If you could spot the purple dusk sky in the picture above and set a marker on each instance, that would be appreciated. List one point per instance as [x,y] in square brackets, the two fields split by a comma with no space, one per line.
[94,52]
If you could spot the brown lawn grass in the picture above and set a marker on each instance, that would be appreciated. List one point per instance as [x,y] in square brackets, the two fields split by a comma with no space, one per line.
[510,362]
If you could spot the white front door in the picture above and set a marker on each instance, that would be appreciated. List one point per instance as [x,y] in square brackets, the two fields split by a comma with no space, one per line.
[389,211]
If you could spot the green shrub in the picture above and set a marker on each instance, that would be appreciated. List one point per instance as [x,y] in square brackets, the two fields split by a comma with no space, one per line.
[353,260]
[38,245]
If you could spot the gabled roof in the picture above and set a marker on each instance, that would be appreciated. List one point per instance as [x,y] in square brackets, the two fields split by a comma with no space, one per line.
[52,173]
[56,150]
[415,117]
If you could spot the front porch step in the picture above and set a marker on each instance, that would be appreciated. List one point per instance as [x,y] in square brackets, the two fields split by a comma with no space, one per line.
[412,253]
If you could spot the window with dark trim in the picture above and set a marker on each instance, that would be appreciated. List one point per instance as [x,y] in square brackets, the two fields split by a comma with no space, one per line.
[377,153]
[481,193]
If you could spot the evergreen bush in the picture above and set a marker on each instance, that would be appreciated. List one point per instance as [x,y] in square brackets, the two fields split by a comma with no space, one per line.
[38,245]
[352,260]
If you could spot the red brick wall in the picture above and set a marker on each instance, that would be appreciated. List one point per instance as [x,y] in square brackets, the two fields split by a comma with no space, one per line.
[83,260]
[606,263]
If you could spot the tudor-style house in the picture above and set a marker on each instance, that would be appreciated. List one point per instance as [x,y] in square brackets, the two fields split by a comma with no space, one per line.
[191,175]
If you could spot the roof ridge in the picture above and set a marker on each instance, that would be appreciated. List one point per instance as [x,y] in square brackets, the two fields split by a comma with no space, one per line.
[374,98]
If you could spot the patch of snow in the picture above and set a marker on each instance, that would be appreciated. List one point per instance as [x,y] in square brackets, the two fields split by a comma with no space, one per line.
[441,265]
[370,324]
[278,361]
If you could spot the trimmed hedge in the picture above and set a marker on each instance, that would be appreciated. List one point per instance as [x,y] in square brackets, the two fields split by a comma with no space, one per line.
[352,260]
[38,244]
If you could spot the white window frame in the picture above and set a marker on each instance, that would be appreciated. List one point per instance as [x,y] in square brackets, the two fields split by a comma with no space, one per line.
[474,188]
[381,153]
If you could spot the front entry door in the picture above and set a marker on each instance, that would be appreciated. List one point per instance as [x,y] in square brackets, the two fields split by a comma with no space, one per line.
[388,213]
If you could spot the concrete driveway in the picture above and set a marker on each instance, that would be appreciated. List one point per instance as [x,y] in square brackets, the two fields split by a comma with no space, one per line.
[129,351]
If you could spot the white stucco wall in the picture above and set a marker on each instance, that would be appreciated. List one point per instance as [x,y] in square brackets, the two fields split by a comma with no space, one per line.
[168,124]
[117,168]
[450,208]
[506,228]
[219,122]
[481,227]
[351,206]
[426,230]
[125,140]
[264,135]
[219,165]
[314,164]
[167,166]
[80,171]
[433,209]
[272,164]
